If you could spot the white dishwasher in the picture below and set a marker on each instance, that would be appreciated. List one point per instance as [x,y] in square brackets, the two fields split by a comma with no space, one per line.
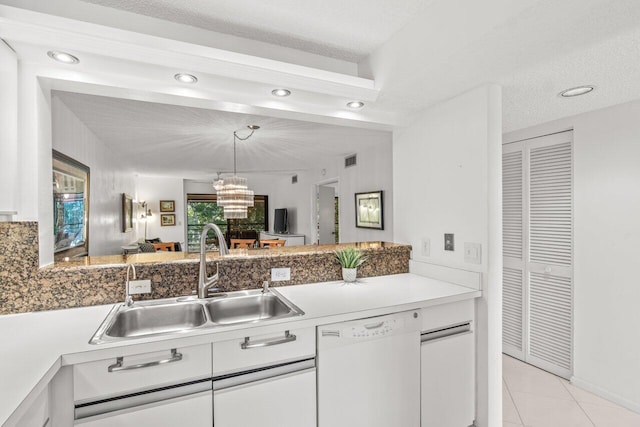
[369,372]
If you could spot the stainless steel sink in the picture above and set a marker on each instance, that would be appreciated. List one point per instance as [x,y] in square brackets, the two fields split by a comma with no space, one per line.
[179,315]
[253,306]
[156,319]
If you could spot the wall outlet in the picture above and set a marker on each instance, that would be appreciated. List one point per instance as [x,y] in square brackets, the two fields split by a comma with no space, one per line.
[473,253]
[139,287]
[448,242]
[280,274]
[425,246]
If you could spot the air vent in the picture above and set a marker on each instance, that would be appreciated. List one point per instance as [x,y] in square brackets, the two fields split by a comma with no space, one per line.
[294,179]
[350,161]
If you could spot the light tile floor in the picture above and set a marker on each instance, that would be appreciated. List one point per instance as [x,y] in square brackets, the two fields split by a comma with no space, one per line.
[534,398]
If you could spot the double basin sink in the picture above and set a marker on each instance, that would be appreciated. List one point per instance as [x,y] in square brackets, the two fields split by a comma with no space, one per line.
[178,315]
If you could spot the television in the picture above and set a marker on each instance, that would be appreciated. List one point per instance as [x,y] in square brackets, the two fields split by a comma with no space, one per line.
[280,222]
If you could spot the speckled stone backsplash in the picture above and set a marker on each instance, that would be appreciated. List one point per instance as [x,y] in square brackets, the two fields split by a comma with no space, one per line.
[25,287]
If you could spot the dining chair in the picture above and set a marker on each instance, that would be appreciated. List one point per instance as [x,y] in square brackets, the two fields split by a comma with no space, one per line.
[168,246]
[270,243]
[242,243]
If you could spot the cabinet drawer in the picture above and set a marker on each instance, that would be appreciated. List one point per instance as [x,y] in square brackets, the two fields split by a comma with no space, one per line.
[193,411]
[284,401]
[261,350]
[441,316]
[93,380]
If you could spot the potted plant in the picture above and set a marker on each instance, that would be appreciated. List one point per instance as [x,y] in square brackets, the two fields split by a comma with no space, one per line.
[350,259]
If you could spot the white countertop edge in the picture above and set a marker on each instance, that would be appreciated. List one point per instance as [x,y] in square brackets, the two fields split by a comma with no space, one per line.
[11,414]
[213,335]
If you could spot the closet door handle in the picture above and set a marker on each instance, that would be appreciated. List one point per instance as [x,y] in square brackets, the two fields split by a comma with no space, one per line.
[119,365]
[247,344]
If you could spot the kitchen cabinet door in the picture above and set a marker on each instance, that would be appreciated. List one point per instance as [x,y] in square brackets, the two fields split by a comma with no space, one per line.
[448,381]
[283,401]
[193,410]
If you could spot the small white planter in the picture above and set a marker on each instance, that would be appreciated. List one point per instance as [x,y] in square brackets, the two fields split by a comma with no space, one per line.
[349,274]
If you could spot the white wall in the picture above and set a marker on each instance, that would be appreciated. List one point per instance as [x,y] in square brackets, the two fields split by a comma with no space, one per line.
[372,172]
[107,180]
[606,234]
[8,129]
[446,179]
[296,198]
[152,189]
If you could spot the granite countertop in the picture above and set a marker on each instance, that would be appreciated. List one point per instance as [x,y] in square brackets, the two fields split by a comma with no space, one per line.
[38,344]
[170,257]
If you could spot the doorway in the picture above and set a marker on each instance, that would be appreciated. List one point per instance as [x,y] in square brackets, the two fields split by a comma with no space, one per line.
[328,216]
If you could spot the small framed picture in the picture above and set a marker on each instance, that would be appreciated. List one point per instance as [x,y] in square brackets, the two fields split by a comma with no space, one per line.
[167,220]
[369,212]
[127,213]
[167,205]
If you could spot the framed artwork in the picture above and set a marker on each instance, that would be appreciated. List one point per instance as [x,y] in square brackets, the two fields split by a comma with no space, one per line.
[369,212]
[127,213]
[167,219]
[167,205]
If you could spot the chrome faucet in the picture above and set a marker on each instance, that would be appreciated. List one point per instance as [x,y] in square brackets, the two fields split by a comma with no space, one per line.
[128,301]
[265,286]
[205,282]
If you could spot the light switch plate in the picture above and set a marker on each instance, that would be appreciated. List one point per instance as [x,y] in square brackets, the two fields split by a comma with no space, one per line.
[280,274]
[472,253]
[139,287]
[425,246]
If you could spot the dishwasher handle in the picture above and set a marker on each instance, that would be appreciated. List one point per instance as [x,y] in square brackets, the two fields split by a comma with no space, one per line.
[247,344]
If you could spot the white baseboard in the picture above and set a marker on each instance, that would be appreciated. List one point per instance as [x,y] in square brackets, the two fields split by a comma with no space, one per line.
[469,279]
[605,394]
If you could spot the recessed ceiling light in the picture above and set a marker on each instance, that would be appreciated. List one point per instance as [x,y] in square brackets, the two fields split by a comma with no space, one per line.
[576,91]
[65,58]
[355,104]
[185,78]
[281,92]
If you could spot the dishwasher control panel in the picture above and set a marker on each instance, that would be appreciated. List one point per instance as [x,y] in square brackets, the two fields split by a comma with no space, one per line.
[370,328]
[374,329]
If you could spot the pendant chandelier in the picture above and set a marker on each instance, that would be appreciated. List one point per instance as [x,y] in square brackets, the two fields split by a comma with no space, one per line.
[233,193]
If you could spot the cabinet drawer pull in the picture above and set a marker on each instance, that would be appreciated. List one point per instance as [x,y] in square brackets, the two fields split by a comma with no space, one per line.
[119,365]
[449,331]
[247,344]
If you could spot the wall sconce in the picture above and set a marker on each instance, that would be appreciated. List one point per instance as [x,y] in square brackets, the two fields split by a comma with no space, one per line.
[146,212]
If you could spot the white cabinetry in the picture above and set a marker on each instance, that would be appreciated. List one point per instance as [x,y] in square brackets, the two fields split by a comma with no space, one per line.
[273,374]
[447,369]
[192,410]
[283,401]
[166,388]
[291,239]
[38,414]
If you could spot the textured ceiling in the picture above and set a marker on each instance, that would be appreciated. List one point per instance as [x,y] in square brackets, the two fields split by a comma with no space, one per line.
[532,48]
[162,139]
[347,30]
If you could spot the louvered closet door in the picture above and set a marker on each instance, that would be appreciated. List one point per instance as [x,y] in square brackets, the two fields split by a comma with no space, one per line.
[544,267]
[513,302]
